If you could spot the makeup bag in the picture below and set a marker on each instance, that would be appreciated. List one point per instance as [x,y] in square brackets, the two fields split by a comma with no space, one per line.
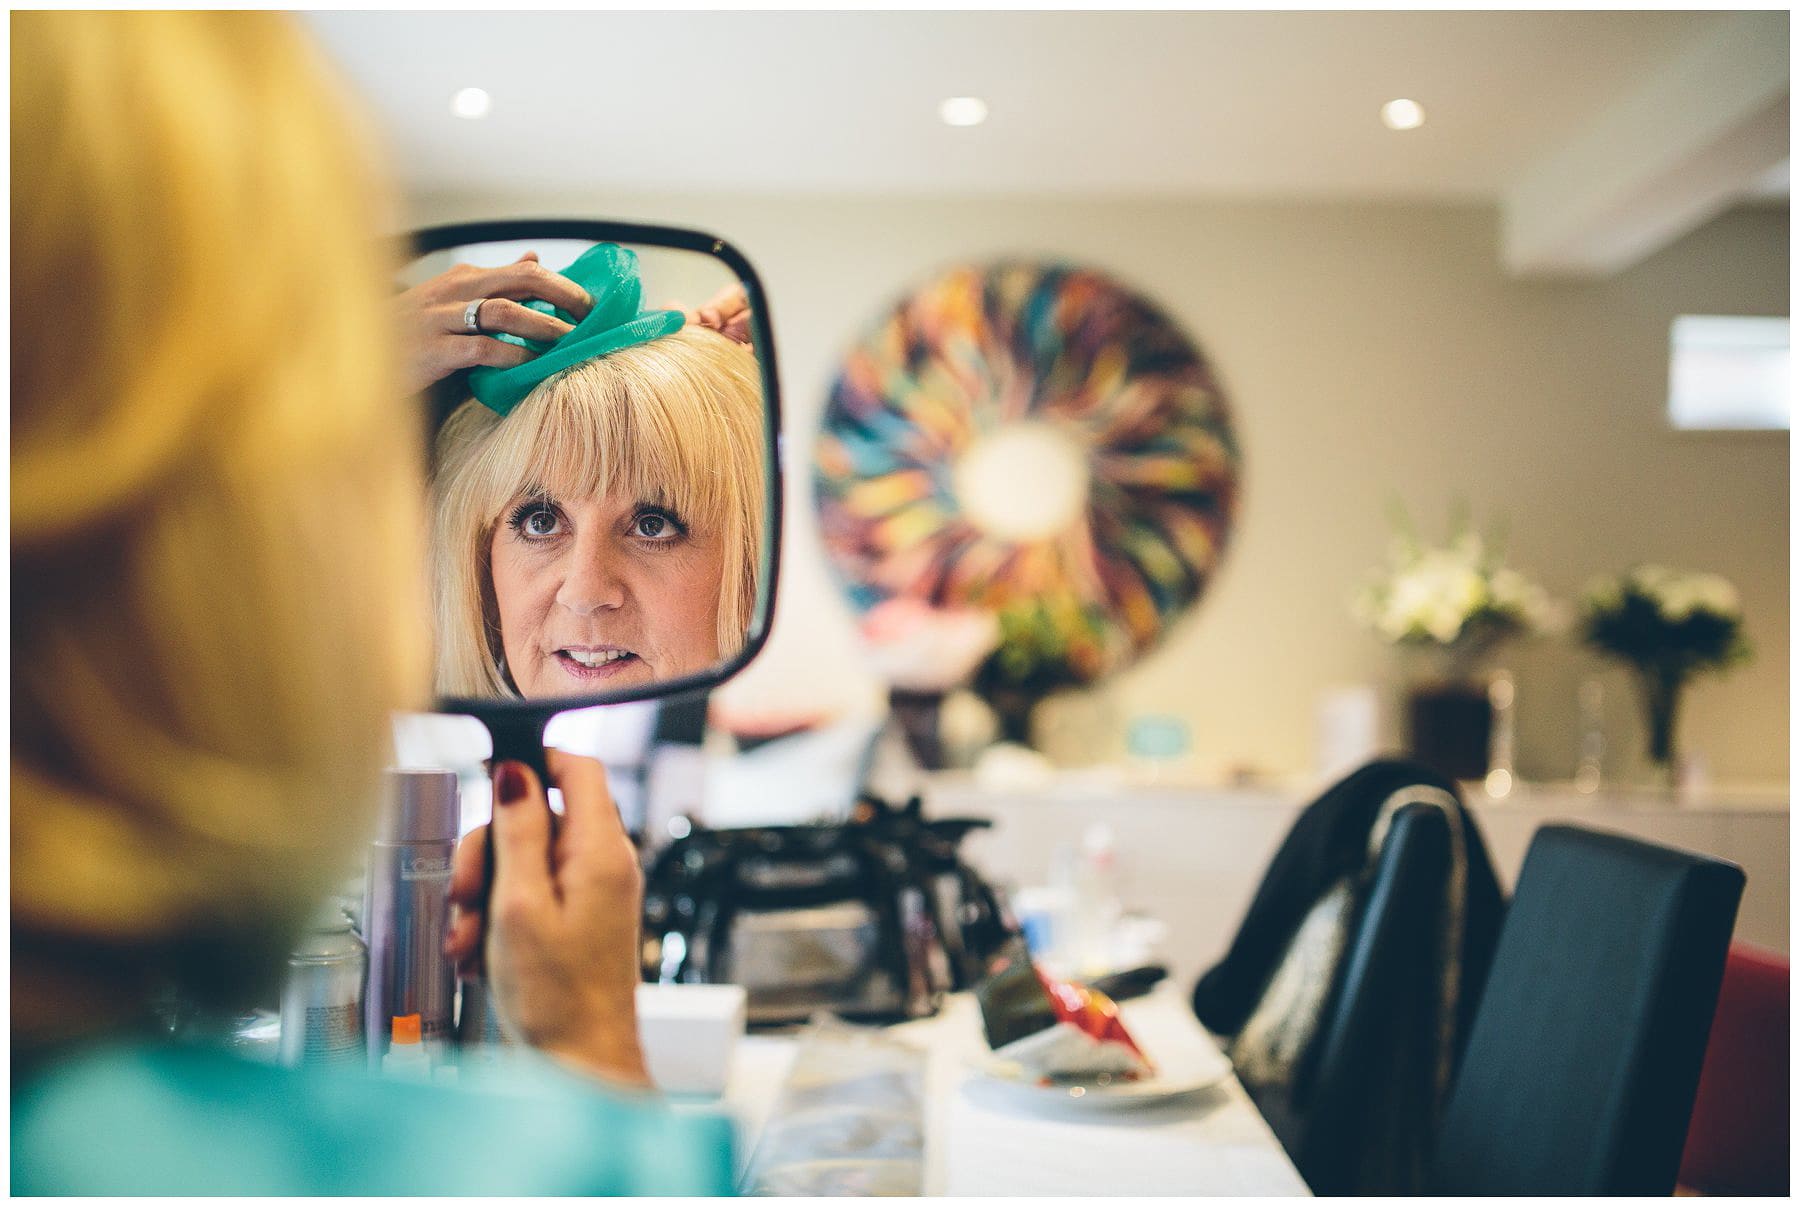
[872,919]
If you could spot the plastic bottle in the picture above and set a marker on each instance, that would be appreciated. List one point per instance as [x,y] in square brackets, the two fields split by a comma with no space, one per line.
[406,1057]
[1097,906]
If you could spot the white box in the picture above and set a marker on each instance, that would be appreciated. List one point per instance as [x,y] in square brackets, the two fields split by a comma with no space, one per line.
[688,1033]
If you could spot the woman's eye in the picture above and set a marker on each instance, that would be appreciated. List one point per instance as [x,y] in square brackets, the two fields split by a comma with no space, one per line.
[535,521]
[655,526]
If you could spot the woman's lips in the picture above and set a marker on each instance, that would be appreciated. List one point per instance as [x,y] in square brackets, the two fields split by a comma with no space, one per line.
[617,663]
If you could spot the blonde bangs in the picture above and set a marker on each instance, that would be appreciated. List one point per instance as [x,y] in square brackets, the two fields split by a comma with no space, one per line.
[645,426]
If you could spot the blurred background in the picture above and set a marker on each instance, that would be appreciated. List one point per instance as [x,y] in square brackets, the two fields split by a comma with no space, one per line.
[1454,316]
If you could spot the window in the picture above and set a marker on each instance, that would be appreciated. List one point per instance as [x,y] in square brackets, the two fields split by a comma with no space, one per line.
[1728,372]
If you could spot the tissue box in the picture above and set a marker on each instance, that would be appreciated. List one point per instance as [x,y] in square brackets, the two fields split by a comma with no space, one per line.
[688,1034]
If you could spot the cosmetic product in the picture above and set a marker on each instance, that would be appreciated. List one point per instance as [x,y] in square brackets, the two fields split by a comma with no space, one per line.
[321,1000]
[406,910]
[1095,917]
[406,1057]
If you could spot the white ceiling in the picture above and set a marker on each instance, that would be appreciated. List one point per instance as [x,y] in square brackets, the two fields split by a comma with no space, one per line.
[1083,103]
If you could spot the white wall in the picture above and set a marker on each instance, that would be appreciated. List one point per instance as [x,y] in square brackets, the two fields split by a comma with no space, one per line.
[1369,351]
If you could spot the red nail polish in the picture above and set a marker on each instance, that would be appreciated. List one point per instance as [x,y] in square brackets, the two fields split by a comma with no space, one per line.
[510,785]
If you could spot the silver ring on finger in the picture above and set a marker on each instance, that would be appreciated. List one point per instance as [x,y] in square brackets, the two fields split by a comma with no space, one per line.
[472,317]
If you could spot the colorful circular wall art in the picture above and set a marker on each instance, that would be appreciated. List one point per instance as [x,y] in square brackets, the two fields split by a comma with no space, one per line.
[1038,442]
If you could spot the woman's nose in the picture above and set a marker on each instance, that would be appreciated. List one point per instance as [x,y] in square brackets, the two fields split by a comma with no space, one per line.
[591,582]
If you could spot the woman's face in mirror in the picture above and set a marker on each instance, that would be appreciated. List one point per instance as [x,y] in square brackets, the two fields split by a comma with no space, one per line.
[598,515]
[601,593]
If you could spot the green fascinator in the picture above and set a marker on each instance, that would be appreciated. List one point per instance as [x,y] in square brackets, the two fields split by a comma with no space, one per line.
[609,273]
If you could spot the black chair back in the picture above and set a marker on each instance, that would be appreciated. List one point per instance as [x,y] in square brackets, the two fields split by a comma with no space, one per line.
[1359,1111]
[1581,1066]
[1360,1115]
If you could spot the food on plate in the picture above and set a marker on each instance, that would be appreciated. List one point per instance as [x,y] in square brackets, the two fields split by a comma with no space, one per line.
[1053,1030]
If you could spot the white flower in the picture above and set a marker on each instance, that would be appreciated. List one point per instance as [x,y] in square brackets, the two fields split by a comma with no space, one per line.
[1677,595]
[1716,595]
[1675,599]
[1434,598]
[1446,622]
[1432,595]
[1680,596]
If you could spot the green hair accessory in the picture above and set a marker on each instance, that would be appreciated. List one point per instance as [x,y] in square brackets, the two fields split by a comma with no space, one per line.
[609,273]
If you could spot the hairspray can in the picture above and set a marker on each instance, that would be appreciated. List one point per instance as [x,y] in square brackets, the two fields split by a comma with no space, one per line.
[406,910]
[321,1001]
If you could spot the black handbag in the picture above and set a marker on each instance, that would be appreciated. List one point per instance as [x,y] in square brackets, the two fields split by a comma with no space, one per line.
[873,919]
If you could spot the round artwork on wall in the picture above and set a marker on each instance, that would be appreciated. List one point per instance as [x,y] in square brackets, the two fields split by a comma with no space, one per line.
[1039,442]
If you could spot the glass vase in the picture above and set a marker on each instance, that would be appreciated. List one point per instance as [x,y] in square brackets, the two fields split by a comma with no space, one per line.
[1449,709]
[1660,690]
[1449,727]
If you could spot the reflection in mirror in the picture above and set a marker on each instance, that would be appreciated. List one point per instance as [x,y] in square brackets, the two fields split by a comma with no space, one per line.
[598,480]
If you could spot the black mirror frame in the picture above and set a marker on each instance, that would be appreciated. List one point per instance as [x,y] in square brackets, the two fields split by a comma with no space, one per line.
[517,726]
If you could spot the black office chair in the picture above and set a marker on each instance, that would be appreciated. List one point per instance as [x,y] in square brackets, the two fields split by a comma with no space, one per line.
[1359,1111]
[1581,1067]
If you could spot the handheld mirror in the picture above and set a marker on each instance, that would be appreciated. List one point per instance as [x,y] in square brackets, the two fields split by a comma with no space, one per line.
[606,481]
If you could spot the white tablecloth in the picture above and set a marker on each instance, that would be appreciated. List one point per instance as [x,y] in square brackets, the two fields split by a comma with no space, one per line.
[978,1142]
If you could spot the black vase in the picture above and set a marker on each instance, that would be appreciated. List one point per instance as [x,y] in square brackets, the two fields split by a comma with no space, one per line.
[1661,690]
[1012,711]
[918,714]
[1448,728]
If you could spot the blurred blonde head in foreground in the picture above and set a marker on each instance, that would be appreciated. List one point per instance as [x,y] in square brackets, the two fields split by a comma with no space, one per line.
[217,509]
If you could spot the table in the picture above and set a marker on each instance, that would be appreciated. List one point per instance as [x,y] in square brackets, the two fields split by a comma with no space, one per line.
[1209,1143]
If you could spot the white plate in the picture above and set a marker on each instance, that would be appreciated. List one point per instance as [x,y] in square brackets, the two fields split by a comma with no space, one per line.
[1178,1074]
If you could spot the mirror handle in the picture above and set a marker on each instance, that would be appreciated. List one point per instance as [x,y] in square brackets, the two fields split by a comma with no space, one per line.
[520,737]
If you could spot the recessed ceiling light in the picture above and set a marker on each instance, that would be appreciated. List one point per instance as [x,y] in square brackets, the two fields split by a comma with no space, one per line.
[471,103]
[963,111]
[1402,115]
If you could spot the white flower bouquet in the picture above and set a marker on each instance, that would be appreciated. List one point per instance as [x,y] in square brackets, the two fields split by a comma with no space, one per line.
[1460,598]
[1653,613]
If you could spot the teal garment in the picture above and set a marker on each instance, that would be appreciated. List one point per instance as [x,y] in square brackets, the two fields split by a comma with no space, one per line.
[144,1120]
[609,273]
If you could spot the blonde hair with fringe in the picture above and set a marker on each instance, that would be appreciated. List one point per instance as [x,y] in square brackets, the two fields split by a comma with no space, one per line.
[216,505]
[675,422]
